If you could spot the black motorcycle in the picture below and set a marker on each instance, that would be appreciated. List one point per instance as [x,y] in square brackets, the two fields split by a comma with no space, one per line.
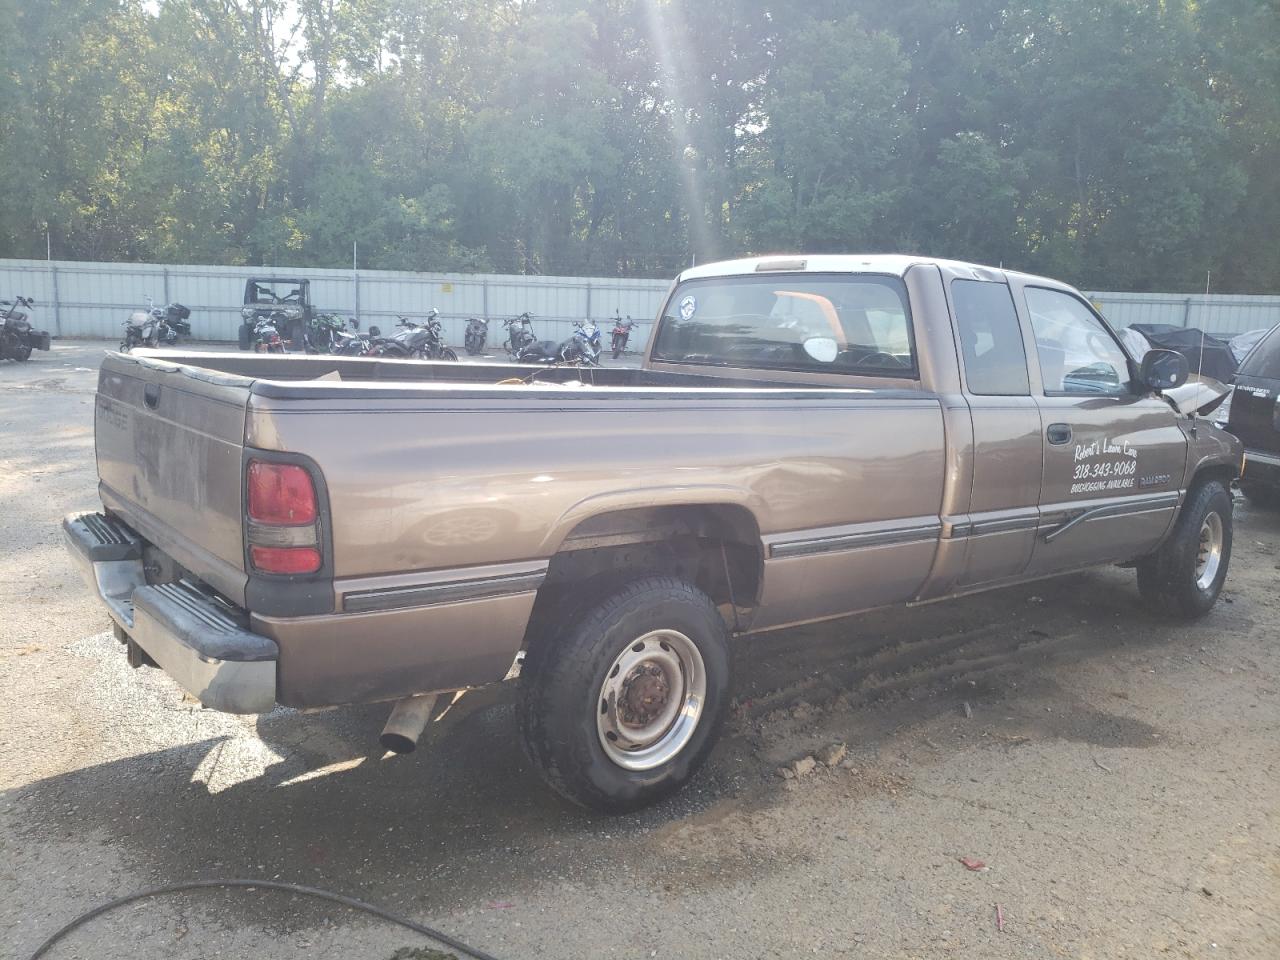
[581,349]
[356,344]
[476,335]
[422,341]
[156,326]
[17,339]
[520,335]
[328,333]
[621,333]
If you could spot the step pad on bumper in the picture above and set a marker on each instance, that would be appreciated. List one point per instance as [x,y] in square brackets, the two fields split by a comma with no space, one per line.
[193,636]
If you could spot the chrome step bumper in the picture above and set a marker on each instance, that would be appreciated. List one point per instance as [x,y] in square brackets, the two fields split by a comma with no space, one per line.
[190,634]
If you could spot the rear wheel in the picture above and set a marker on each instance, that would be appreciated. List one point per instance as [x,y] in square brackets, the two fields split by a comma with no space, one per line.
[1185,576]
[623,703]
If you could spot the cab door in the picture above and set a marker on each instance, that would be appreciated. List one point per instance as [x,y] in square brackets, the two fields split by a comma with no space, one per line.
[1114,453]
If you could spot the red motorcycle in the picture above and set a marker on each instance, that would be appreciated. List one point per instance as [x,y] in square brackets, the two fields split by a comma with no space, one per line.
[621,333]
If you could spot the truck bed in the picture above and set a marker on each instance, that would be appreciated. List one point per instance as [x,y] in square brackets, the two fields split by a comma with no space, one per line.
[434,475]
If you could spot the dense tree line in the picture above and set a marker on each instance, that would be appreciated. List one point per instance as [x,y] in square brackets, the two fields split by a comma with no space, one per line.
[1122,144]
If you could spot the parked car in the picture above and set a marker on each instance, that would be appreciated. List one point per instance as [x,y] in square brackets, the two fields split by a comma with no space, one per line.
[808,437]
[285,302]
[1254,417]
[1242,343]
[1205,353]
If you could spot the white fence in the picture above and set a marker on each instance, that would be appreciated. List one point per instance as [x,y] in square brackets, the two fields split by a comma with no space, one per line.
[92,299]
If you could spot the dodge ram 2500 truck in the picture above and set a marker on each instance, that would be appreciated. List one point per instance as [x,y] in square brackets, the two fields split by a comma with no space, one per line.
[807,438]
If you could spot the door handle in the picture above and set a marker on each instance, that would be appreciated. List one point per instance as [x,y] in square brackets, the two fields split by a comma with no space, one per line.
[1059,433]
[151,395]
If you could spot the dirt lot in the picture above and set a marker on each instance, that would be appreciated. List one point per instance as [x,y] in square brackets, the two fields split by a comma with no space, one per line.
[1119,777]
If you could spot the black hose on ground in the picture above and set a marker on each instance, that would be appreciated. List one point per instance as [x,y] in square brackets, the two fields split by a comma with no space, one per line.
[316,892]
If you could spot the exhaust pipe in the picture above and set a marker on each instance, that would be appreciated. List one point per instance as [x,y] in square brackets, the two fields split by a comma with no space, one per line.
[405,725]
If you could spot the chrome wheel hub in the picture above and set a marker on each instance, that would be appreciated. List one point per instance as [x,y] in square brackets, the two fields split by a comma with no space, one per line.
[651,700]
[1209,551]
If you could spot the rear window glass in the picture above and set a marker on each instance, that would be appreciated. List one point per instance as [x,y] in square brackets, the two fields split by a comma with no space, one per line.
[995,363]
[820,323]
[1264,359]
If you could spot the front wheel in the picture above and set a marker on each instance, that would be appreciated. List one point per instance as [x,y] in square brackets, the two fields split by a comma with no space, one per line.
[448,353]
[622,703]
[1185,576]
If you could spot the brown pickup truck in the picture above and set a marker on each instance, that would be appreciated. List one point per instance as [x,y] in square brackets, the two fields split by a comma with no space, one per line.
[808,437]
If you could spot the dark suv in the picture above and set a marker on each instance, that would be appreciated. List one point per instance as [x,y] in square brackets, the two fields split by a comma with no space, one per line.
[1254,417]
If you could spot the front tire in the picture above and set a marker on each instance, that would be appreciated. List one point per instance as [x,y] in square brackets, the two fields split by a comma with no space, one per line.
[622,704]
[1185,576]
[448,353]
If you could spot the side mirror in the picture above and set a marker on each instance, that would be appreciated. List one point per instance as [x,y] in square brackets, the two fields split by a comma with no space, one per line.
[822,349]
[1164,370]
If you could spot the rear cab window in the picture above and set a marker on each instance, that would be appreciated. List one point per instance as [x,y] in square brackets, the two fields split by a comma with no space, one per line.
[789,322]
[995,361]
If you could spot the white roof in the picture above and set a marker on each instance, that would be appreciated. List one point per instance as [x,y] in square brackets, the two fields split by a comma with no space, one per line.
[895,264]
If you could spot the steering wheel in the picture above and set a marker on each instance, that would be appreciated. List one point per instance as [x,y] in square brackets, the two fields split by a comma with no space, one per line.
[1099,344]
[879,358]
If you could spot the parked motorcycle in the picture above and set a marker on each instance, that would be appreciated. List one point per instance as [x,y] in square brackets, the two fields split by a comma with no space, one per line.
[424,341]
[520,335]
[356,344]
[17,339]
[476,335]
[156,326]
[582,348]
[621,333]
[328,333]
[265,337]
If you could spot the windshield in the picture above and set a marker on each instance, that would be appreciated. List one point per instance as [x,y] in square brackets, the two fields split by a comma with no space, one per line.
[765,321]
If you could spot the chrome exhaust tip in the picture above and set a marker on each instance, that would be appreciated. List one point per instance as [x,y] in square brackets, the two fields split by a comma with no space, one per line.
[407,721]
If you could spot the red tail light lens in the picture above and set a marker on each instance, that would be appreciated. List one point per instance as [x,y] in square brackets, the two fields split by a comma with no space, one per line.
[281,493]
[285,559]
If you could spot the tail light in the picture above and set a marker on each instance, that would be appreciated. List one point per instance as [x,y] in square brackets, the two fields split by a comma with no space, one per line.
[283,514]
[281,493]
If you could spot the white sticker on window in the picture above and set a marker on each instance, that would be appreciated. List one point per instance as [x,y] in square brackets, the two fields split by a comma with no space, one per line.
[688,307]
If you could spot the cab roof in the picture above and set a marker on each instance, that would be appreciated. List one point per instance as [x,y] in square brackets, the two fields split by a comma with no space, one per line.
[894,264]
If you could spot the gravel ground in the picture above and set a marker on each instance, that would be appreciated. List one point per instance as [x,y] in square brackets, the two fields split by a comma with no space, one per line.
[1117,776]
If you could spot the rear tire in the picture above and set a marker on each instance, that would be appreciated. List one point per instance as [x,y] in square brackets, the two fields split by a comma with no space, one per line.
[1184,577]
[621,704]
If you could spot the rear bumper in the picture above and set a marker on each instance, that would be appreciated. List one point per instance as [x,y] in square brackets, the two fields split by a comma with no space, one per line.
[1261,467]
[193,637]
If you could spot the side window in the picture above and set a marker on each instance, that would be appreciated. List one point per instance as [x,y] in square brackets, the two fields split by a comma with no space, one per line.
[1077,353]
[995,363]
[1264,359]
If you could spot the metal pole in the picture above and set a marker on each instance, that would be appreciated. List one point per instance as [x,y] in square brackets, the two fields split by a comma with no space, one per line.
[355,276]
[587,314]
[57,307]
[354,264]
[1186,313]
[48,243]
[484,295]
[165,272]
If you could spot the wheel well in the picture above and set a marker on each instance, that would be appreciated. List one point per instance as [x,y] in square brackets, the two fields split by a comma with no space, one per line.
[716,547]
[1224,472]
